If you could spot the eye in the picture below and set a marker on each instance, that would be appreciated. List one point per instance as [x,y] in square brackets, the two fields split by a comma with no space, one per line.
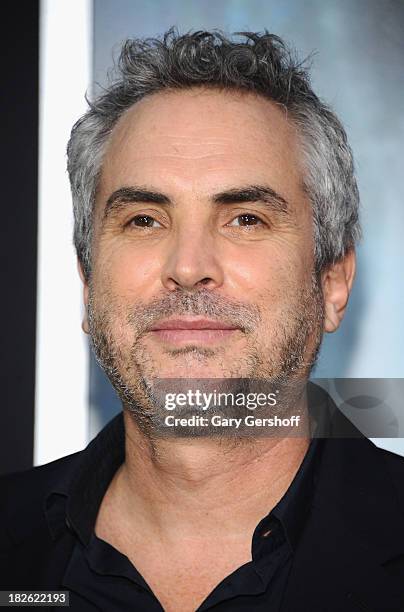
[143,221]
[246,220]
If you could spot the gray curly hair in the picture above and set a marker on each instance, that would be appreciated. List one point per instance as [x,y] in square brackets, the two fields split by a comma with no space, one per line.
[260,63]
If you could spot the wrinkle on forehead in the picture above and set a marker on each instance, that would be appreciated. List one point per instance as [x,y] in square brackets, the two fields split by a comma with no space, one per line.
[200,139]
[183,121]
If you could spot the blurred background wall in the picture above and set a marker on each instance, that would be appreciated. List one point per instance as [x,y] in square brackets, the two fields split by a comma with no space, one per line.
[56,398]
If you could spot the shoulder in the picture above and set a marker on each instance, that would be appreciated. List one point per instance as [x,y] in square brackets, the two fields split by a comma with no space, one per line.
[29,552]
[394,466]
[22,494]
[394,461]
[36,479]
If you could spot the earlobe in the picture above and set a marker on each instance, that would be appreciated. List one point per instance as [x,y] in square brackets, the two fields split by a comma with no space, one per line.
[337,281]
[84,324]
[331,319]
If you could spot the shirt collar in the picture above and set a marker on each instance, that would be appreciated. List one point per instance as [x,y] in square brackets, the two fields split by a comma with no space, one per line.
[293,508]
[75,501]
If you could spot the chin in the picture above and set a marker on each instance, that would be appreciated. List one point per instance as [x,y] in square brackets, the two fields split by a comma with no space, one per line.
[188,371]
[191,365]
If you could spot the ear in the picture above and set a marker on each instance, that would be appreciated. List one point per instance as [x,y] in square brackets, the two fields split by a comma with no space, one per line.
[84,325]
[337,281]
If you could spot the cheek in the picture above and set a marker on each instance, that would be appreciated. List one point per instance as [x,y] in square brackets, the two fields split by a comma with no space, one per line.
[130,274]
[271,269]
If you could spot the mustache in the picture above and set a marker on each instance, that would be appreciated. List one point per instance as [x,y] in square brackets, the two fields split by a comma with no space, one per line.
[198,303]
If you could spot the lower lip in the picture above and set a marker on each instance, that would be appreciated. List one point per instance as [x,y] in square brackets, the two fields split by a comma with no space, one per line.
[186,336]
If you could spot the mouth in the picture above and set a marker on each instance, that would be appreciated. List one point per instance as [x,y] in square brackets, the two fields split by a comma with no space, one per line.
[196,330]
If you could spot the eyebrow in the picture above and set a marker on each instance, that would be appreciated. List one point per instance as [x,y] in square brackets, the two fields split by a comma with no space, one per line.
[254,193]
[127,195]
[250,193]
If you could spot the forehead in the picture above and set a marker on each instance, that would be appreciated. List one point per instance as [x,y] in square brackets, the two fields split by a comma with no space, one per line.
[200,139]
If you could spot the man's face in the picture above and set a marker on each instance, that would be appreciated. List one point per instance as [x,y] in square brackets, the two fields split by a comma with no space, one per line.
[201,215]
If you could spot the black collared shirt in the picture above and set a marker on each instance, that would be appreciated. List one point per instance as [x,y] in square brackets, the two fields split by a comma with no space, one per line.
[99,577]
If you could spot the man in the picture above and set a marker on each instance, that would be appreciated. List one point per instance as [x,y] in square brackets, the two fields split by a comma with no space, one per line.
[216,215]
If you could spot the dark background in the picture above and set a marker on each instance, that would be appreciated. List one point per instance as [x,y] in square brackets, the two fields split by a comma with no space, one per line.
[19,167]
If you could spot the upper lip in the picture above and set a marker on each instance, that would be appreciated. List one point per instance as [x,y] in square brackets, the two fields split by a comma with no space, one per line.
[189,323]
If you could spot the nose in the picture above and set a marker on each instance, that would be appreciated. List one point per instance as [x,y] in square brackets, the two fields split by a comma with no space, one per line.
[192,260]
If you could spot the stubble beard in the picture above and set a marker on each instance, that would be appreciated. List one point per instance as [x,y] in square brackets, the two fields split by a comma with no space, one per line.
[287,361]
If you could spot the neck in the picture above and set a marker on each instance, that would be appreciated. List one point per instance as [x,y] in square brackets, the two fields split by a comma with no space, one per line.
[179,487]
